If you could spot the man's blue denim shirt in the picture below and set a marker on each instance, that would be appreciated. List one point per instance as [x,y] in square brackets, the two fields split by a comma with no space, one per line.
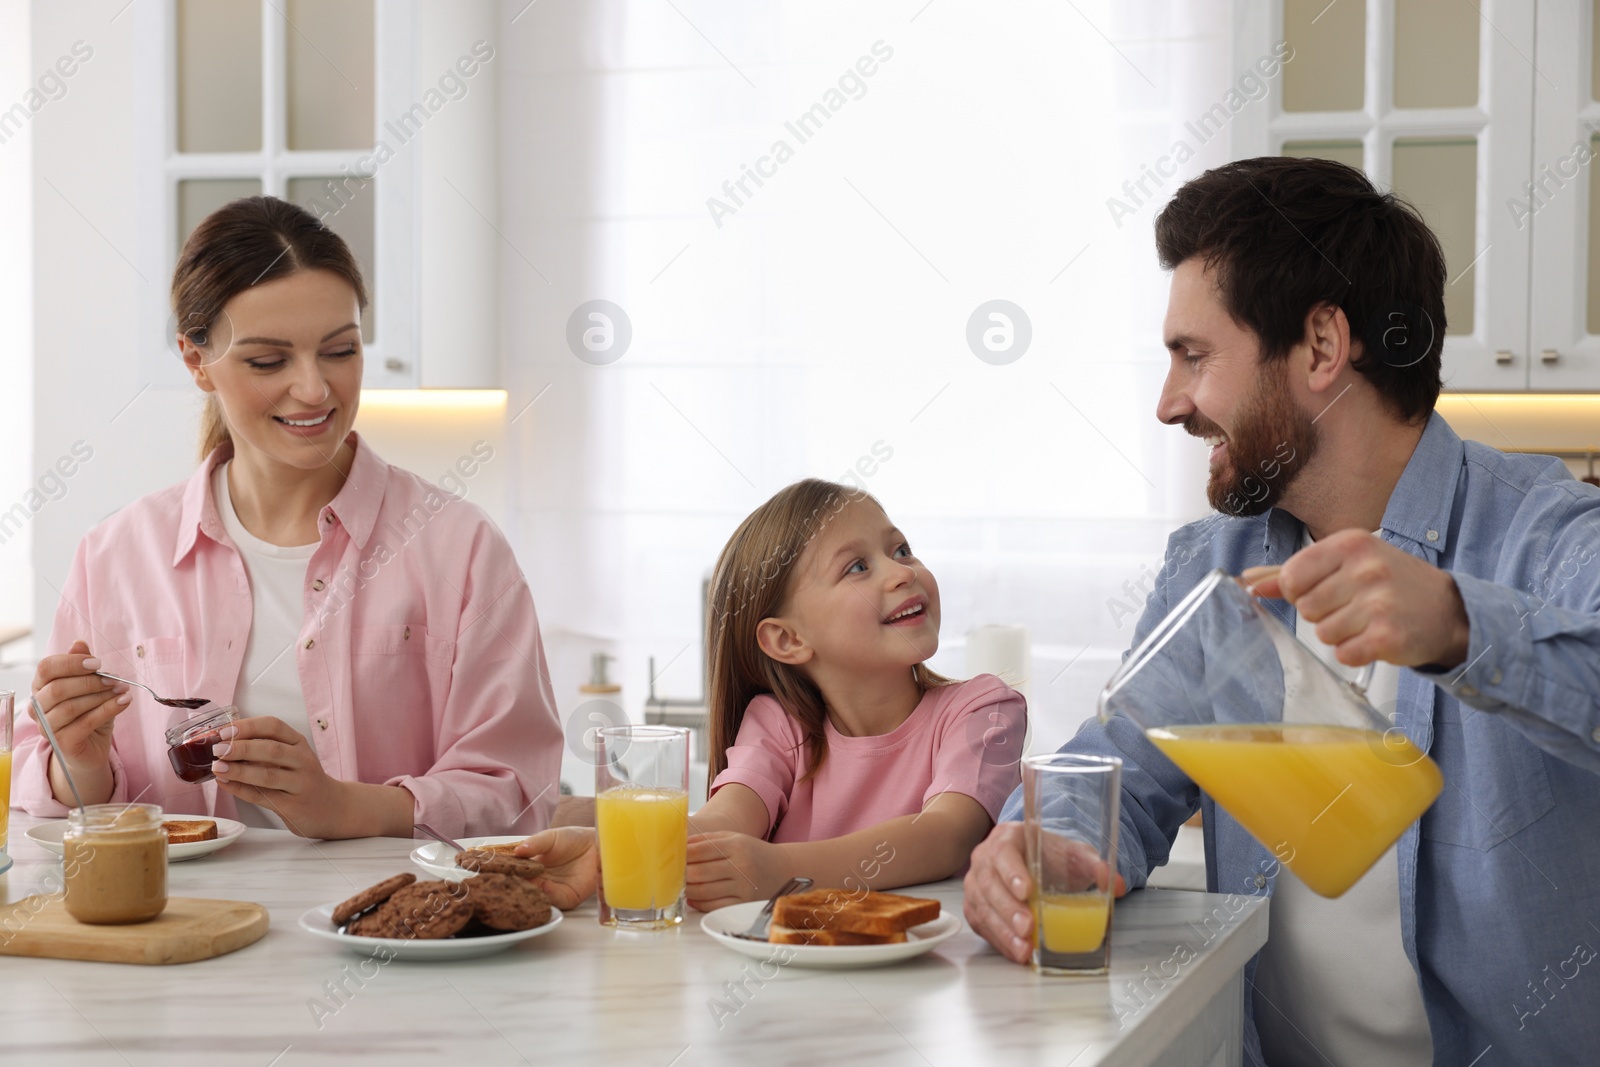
[1500,879]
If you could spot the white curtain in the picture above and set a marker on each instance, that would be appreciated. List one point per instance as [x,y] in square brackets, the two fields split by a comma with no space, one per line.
[816,323]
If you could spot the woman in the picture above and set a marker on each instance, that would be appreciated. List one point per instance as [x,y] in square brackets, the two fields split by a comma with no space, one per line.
[377,632]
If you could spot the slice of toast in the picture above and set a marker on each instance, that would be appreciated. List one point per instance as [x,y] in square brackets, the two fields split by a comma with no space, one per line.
[878,914]
[788,935]
[188,831]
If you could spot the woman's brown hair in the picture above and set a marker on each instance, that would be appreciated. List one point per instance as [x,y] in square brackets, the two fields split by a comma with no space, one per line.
[751,583]
[240,245]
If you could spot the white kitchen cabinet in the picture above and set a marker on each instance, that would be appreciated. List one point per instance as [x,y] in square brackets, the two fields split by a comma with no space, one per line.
[380,118]
[1563,202]
[1447,102]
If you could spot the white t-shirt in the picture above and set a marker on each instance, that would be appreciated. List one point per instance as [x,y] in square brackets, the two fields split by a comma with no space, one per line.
[1333,984]
[269,682]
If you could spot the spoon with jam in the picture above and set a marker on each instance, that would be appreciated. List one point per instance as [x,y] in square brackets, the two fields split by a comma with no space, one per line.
[187,703]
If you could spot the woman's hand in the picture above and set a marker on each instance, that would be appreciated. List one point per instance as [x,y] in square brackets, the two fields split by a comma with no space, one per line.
[81,707]
[571,858]
[729,868]
[266,762]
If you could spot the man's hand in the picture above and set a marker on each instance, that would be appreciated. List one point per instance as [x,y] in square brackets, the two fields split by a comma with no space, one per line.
[1371,601]
[726,867]
[571,858]
[995,894]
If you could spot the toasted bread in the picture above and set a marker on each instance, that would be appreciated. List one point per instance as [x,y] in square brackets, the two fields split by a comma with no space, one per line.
[788,935]
[188,831]
[877,914]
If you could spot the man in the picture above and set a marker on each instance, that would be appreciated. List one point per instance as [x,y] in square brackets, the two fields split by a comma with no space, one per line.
[1305,325]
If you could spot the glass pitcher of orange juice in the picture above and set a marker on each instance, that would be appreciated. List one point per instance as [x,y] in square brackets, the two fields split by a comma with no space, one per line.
[1282,742]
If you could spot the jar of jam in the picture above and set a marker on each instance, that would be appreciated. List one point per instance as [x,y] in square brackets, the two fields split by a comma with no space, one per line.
[114,863]
[189,743]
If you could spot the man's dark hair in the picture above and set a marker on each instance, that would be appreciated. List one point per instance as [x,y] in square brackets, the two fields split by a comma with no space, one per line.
[1285,235]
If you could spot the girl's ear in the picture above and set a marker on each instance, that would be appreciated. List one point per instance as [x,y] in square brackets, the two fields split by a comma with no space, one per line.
[782,642]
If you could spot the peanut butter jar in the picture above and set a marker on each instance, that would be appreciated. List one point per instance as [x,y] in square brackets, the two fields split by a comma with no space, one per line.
[114,863]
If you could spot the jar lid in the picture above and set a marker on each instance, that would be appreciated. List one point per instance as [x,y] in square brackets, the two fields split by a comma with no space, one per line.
[114,818]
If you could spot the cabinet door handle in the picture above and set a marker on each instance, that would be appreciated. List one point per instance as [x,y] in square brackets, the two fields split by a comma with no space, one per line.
[1550,356]
[1504,357]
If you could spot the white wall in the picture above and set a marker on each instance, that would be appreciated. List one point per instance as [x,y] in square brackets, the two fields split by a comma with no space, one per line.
[16,311]
[804,329]
[87,293]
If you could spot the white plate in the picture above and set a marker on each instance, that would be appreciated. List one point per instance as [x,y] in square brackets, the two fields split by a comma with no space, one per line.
[319,921]
[47,835]
[439,859]
[919,939]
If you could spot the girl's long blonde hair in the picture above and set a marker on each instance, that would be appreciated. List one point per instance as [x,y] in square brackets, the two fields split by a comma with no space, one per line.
[751,583]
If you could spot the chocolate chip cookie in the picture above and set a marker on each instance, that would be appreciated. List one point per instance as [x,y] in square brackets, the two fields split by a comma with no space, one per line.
[426,911]
[486,862]
[370,898]
[505,903]
[430,918]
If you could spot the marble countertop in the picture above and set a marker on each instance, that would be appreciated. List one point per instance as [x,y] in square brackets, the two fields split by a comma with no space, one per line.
[586,994]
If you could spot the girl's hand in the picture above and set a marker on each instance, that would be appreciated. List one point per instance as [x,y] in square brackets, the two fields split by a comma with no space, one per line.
[265,761]
[571,858]
[729,868]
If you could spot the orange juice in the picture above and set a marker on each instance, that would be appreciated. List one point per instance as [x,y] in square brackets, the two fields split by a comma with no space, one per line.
[1326,800]
[5,796]
[1071,923]
[644,836]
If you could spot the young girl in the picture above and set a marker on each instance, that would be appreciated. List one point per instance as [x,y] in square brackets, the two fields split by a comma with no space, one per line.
[835,752]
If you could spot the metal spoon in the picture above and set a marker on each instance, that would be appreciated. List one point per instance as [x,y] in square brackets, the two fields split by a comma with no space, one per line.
[61,760]
[188,703]
[437,836]
[758,929]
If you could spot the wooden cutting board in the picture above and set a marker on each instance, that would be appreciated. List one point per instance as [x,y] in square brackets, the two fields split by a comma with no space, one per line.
[190,929]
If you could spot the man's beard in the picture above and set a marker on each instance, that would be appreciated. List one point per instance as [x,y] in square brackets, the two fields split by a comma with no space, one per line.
[1270,445]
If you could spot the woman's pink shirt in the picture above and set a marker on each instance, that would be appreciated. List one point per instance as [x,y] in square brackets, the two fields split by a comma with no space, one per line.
[419,656]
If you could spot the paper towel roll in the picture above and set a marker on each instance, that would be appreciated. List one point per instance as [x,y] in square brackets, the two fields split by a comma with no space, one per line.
[1004,651]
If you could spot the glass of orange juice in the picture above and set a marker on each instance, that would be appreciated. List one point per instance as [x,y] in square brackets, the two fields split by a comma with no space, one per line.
[1070,807]
[8,701]
[1284,741]
[641,810]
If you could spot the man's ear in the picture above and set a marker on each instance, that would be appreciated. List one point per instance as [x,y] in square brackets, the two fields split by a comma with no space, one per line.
[1329,343]
[781,642]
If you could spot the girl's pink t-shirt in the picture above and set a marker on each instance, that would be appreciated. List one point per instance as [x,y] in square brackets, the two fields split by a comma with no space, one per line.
[962,738]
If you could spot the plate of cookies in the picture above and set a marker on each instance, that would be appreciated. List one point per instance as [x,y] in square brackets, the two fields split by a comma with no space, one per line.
[188,837]
[438,920]
[442,861]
